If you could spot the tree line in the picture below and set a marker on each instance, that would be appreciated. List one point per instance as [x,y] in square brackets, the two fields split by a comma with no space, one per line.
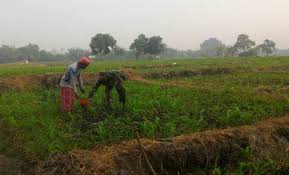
[105,46]
[32,52]
[154,47]
[244,47]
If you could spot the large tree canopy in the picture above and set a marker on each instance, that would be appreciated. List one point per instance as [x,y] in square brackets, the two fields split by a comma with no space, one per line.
[139,45]
[244,43]
[102,44]
[212,47]
[31,51]
[155,45]
[76,53]
[143,45]
[7,52]
[268,47]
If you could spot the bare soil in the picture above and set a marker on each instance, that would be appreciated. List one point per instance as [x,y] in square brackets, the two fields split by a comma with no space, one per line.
[8,166]
[26,82]
[189,73]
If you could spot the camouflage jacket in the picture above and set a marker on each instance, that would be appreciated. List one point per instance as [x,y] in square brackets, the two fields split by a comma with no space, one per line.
[109,79]
[113,75]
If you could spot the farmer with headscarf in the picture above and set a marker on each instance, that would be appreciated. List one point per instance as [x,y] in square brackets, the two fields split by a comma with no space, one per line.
[68,84]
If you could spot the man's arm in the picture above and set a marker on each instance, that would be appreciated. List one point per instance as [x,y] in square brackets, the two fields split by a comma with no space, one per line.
[94,89]
[80,82]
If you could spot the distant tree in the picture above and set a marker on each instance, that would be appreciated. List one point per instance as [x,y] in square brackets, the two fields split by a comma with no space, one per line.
[175,53]
[211,47]
[155,46]
[268,47]
[244,44]
[221,51]
[75,53]
[102,44]
[7,52]
[49,56]
[119,51]
[31,51]
[43,54]
[139,45]
[230,51]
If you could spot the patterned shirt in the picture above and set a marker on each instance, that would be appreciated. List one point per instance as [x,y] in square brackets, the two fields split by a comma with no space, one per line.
[71,75]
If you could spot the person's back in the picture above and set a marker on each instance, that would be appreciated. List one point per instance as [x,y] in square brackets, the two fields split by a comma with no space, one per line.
[68,84]
[111,79]
[68,79]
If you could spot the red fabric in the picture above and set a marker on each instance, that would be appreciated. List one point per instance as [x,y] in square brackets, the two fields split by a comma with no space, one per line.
[84,60]
[67,99]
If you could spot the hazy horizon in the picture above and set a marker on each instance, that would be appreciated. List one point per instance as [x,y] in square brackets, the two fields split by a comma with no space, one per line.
[183,24]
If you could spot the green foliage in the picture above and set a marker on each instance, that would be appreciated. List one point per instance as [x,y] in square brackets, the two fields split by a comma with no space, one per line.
[76,53]
[244,43]
[236,117]
[102,44]
[217,171]
[212,47]
[7,52]
[247,153]
[28,52]
[268,47]
[31,123]
[102,131]
[139,45]
[250,166]
[258,168]
[155,45]
[143,45]
[149,128]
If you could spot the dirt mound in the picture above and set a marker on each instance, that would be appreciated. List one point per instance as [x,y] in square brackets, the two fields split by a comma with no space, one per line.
[277,93]
[16,83]
[151,66]
[24,82]
[189,73]
[133,76]
[178,155]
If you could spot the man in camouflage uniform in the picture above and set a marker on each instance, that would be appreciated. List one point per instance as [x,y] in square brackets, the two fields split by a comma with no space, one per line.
[111,79]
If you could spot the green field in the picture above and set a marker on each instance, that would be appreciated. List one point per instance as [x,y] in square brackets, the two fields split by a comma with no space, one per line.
[222,92]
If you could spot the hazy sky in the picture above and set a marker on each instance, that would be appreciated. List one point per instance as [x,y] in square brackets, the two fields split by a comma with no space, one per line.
[183,24]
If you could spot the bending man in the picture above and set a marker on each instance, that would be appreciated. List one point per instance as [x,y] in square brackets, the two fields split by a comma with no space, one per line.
[68,83]
[111,79]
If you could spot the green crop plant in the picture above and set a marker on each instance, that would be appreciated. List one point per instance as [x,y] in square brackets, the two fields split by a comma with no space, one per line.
[150,128]
[256,88]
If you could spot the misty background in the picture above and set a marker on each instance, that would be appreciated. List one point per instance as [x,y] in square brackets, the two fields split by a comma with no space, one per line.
[183,24]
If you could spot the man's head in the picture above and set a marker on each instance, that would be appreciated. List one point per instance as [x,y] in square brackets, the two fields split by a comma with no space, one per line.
[83,62]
